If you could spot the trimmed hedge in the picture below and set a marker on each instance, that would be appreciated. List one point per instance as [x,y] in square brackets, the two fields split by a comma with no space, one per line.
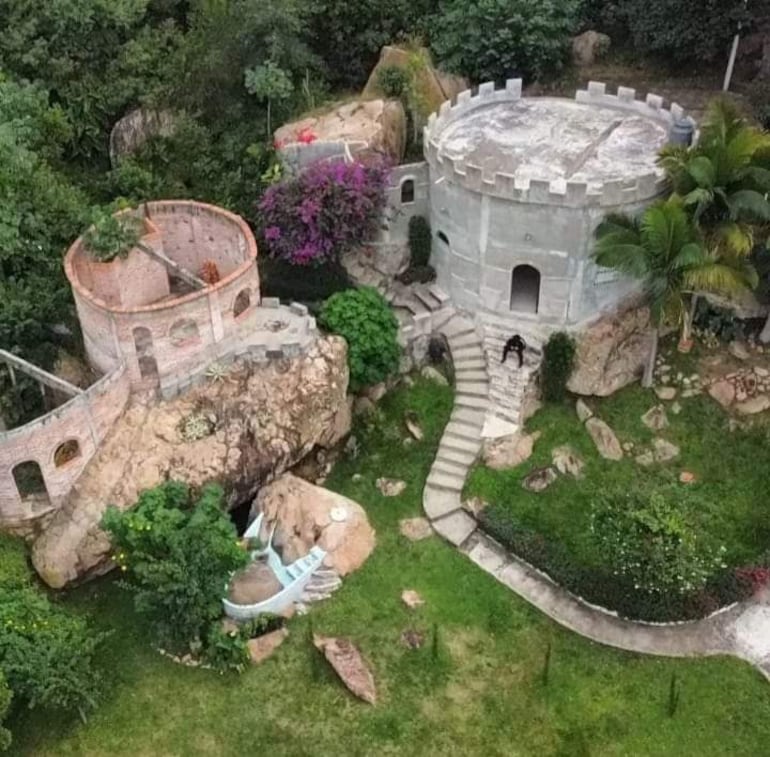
[602,587]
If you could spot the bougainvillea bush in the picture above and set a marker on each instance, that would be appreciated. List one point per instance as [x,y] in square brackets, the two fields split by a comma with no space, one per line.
[314,217]
[365,319]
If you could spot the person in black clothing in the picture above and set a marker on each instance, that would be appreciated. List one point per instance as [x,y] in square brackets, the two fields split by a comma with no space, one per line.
[515,344]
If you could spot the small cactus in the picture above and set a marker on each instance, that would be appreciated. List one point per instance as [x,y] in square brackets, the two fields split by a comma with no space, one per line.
[217,372]
[196,426]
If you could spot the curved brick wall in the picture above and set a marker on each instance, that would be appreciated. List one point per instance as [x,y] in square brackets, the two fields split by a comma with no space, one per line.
[85,419]
[112,299]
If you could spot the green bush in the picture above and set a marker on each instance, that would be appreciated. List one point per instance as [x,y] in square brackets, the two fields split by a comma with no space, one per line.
[365,319]
[604,587]
[47,654]
[558,362]
[177,554]
[420,241]
[492,40]
[15,571]
[393,81]
[5,703]
[111,236]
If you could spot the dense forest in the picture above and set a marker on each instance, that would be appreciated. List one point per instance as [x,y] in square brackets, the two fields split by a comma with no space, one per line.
[70,69]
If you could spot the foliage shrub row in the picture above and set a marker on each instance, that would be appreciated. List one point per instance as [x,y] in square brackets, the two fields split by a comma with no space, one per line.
[558,362]
[602,587]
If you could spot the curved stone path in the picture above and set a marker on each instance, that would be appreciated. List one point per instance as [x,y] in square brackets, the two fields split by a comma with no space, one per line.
[742,630]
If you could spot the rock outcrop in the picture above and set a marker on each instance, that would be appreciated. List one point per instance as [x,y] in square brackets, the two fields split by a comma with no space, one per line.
[509,451]
[365,126]
[589,47]
[433,87]
[305,515]
[262,421]
[612,353]
[135,128]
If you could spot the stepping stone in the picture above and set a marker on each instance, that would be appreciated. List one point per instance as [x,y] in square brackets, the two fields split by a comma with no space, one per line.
[455,527]
[665,392]
[583,411]
[604,438]
[415,529]
[539,479]
[664,450]
[655,418]
[412,599]
[444,480]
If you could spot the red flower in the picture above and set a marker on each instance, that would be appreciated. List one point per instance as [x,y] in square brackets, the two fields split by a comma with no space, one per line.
[306,136]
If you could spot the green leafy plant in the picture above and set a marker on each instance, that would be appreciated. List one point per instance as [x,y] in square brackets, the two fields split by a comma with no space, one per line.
[393,81]
[420,241]
[111,236]
[647,538]
[5,703]
[558,362]
[46,654]
[177,554]
[491,40]
[364,318]
[269,82]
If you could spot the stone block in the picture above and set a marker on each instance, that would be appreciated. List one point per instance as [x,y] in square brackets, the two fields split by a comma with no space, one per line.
[298,308]
[271,302]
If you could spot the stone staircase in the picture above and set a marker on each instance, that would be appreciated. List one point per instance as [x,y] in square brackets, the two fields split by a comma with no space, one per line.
[415,307]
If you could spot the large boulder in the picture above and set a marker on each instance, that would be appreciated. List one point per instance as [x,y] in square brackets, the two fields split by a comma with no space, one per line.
[433,86]
[264,420]
[509,451]
[305,516]
[589,47]
[135,128]
[612,353]
[362,127]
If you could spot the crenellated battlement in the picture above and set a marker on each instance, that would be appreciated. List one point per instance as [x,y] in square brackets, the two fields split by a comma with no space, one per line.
[625,190]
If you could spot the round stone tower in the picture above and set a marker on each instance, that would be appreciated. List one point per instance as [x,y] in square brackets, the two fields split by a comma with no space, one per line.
[518,187]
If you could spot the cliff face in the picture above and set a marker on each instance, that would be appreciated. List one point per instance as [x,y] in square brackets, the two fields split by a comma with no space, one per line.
[258,421]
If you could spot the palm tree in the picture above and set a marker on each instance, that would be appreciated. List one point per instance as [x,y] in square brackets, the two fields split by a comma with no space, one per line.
[724,183]
[666,251]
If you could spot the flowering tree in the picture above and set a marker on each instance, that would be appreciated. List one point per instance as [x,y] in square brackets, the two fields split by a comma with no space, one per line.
[327,209]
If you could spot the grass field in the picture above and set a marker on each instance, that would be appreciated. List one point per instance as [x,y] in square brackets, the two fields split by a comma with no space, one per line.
[483,694]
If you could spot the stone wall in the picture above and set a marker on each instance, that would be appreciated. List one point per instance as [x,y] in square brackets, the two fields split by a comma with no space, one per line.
[191,233]
[85,419]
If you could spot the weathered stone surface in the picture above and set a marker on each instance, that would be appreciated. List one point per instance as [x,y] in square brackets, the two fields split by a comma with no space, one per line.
[433,87]
[433,374]
[604,438]
[655,418]
[267,420]
[539,479]
[370,126]
[390,487]
[475,506]
[415,529]
[509,451]
[255,583]
[263,646]
[376,392]
[567,461]
[589,47]
[663,451]
[348,663]
[723,392]
[754,405]
[412,423]
[412,599]
[665,392]
[739,350]
[305,515]
[583,411]
[687,477]
[645,459]
[376,265]
[612,353]
[135,128]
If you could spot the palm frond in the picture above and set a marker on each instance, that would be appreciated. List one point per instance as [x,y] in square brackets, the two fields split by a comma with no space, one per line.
[750,205]
[733,238]
[702,171]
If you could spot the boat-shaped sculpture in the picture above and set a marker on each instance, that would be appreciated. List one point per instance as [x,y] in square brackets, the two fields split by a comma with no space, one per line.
[293,578]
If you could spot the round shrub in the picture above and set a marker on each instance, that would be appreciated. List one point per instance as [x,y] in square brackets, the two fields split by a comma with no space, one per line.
[393,81]
[558,362]
[491,40]
[420,241]
[364,318]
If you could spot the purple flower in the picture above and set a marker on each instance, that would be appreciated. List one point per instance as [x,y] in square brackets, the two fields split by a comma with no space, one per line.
[272,233]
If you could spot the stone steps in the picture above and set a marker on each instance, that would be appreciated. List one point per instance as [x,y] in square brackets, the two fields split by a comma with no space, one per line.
[451,454]
[470,374]
[472,388]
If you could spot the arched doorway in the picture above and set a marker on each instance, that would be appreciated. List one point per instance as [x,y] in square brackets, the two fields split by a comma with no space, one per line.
[407,191]
[31,486]
[525,289]
[148,366]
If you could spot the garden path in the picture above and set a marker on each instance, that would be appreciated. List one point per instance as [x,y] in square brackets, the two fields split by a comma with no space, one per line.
[742,630]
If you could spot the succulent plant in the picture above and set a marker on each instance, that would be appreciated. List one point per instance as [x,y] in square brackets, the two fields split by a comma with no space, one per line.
[196,426]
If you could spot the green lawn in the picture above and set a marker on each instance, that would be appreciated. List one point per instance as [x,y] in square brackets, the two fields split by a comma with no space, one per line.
[731,507]
[484,694]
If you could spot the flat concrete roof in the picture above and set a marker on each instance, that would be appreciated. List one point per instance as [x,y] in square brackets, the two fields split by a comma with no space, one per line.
[554,139]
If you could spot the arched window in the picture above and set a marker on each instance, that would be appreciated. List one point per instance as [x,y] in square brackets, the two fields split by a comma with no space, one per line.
[443,237]
[242,303]
[525,289]
[148,366]
[407,191]
[31,485]
[184,332]
[66,452]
